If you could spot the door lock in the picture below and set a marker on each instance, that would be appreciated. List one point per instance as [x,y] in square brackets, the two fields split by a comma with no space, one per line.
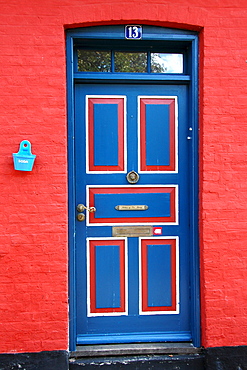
[81,208]
[80,217]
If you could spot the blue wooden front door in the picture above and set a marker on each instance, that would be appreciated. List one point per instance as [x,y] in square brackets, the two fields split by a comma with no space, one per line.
[133,248]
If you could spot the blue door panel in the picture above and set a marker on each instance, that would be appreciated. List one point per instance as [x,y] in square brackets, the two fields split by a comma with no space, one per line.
[159,272]
[157,129]
[158,205]
[107,282]
[105,135]
[139,286]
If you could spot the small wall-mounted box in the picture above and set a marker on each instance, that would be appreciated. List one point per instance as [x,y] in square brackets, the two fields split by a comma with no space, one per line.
[24,159]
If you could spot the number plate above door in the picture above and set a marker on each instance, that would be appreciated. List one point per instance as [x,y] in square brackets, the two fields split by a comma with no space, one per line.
[133,32]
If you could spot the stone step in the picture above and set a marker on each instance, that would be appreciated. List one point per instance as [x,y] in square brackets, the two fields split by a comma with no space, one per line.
[129,349]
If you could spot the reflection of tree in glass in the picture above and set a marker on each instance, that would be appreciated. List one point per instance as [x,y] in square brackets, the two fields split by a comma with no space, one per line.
[133,62]
[156,65]
[94,61]
[130,62]
[100,61]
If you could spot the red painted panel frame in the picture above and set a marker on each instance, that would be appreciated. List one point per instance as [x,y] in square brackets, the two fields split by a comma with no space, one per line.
[172,124]
[121,133]
[92,275]
[124,190]
[144,275]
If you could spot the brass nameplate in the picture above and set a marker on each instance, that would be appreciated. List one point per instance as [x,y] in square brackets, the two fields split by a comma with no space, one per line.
[131,208]
[132,231]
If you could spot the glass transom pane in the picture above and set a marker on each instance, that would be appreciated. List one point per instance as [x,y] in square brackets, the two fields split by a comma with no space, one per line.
[94,61]
[130,62]
[166,63]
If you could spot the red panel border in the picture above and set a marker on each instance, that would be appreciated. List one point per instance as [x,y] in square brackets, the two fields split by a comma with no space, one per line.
[144,275]
[121,133]
[92,275]
[123,190]
[143,165]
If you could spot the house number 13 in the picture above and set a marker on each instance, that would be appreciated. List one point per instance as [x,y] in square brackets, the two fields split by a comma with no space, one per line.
[133,32]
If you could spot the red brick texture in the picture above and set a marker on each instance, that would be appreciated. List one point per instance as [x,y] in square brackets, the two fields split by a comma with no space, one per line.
[33,237]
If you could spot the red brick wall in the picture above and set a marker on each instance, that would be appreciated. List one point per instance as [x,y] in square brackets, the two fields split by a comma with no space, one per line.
[33,237]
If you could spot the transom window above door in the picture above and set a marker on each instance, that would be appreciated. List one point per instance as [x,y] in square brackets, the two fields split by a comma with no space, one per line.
[129,62]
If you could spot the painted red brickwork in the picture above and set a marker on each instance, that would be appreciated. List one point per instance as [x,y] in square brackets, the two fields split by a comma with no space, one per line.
[33,237]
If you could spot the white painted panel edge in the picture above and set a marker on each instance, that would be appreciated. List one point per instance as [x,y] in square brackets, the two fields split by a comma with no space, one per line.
[175,312]
[87,97]
[133,223]
[93,314]
[175,97]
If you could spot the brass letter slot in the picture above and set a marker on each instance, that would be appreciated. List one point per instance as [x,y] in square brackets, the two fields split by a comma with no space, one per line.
[132,231]
[132,208]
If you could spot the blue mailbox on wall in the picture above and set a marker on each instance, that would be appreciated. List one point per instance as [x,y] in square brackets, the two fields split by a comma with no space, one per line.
[24,159]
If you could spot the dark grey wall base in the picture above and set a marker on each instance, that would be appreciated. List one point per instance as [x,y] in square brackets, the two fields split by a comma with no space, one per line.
[47,360]
[226,358]
[181,362]
[218,358]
